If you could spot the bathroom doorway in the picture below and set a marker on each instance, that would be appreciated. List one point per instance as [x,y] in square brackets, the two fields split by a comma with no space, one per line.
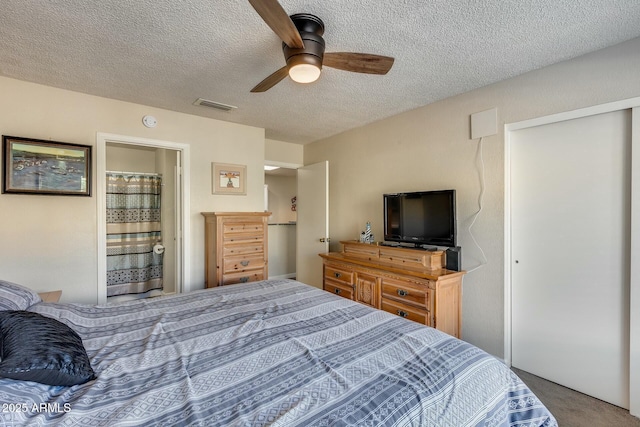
[155,158]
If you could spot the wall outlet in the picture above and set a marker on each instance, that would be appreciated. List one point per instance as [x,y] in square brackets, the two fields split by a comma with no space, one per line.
[484,123]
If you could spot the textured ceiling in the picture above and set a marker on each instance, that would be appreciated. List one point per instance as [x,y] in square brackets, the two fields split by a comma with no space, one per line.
[168,53]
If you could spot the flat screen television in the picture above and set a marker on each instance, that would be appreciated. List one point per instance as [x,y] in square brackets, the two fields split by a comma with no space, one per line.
[421,218]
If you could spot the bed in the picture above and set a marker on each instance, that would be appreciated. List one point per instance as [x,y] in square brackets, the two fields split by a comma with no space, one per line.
[269,353]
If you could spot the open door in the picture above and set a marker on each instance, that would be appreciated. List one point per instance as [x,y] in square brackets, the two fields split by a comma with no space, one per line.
[313,222]
[172,159]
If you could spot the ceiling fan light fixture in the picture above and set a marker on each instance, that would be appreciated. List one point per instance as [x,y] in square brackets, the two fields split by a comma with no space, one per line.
[303,48]
[305,64]
[304,73]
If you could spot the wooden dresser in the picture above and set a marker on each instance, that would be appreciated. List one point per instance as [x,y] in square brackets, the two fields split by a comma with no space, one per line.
[235,247]
[407,282]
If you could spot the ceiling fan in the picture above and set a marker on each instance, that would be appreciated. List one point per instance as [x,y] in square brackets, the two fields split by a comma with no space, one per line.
[303,48]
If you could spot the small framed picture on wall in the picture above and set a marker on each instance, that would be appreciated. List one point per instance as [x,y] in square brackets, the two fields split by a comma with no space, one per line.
[229,179]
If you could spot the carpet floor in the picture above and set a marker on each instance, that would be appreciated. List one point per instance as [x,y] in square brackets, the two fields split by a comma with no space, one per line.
[575,409]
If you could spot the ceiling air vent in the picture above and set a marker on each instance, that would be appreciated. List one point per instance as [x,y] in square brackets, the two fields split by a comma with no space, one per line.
[213,104]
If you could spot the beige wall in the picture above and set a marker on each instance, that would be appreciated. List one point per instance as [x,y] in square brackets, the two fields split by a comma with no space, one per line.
[126,158]
[281,190]
[50,242]
[282,153]
[429,148]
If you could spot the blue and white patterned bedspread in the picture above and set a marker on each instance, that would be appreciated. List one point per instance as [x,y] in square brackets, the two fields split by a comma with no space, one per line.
[272,353]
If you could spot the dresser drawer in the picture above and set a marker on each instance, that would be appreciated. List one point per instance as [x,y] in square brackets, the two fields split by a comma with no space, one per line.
[338,289]
[242,231]
[242,249]
[233,264]
[407,311]
[402,291]
[338,274]
[243,238]
[242,277]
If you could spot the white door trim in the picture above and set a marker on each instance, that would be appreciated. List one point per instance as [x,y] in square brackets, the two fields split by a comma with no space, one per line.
[184,236]
[634,326]
[634,286]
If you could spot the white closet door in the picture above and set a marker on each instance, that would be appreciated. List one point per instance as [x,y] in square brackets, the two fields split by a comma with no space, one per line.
[570,217]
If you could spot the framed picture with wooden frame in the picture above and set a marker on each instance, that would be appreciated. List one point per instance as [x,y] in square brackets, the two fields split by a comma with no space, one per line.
[36,166]
[229,179]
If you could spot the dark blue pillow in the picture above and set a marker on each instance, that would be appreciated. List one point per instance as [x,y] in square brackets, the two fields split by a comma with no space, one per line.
[41,349]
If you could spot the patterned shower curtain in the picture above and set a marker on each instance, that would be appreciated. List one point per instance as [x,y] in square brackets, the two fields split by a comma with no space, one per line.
[133,229]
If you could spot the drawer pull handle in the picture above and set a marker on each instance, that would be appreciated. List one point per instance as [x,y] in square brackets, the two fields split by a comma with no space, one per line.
[402,313]
[244,263]
[244,279]
[337,275]
[337,291]
[402,292]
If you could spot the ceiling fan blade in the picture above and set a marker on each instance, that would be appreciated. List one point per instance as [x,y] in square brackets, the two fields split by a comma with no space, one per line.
[271,81]
[358,62]
[276,18]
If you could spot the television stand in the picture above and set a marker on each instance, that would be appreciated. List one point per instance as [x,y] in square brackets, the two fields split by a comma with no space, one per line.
[403,281]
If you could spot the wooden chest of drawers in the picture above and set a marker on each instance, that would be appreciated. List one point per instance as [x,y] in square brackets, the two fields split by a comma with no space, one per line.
[408,283]
[236,247]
